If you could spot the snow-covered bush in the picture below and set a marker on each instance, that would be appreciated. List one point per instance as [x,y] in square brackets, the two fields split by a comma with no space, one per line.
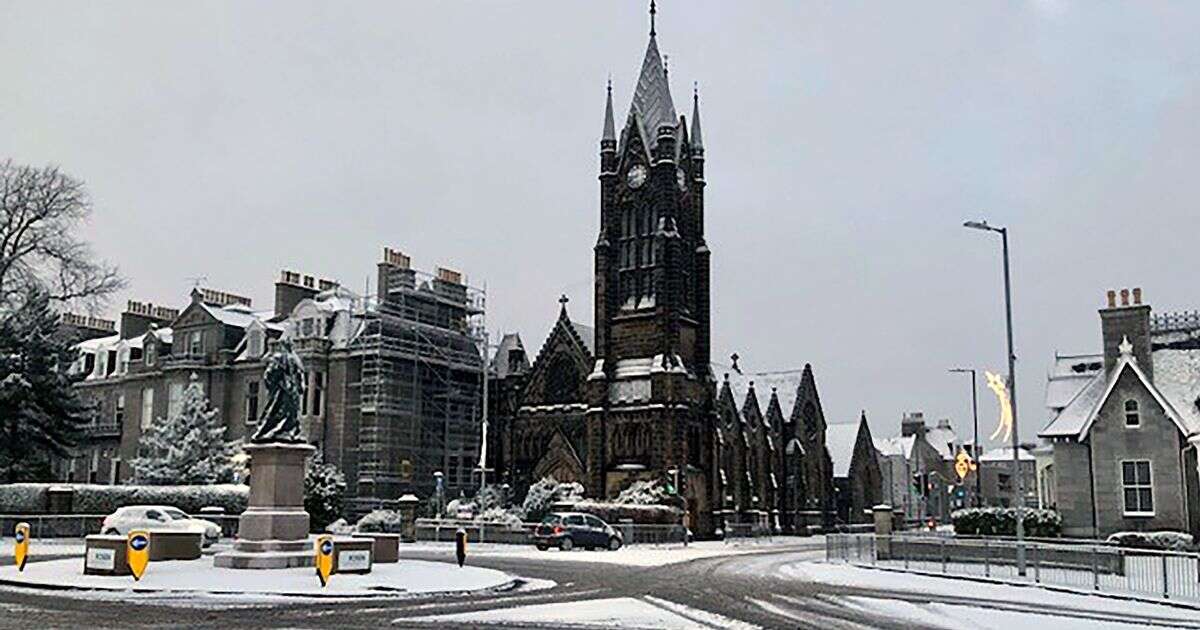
[189,447]
[613,513]
[995,521]
[644,492]
[339,527]
[324,488]
[381,521]
[96,499]
[23,498]
[1175,541]
[500,516]
[546,493]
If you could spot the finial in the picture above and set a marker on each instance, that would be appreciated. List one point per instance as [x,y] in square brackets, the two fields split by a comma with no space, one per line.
[1125,347]
[563,299]
[653,10]
[734,357]
[610,83]
[696,91]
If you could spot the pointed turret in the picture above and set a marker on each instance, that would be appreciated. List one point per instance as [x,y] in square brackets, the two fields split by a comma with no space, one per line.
[610,128]
[652,104]
[697,138]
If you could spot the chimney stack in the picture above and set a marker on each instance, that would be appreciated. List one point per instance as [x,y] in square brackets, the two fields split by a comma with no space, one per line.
[290,290]
[1127,320]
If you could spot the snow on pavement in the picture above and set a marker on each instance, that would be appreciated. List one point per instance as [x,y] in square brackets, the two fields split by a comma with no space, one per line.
[845,575]
[953,617]
[619,612]
[407,577]
[634,555]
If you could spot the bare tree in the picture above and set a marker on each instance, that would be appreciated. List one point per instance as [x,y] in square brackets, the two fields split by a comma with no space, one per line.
[41,212]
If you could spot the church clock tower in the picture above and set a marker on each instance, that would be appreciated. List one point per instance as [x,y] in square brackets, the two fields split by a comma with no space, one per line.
[650,392]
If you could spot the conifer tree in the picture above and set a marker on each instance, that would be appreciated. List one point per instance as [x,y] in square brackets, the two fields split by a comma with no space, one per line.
[189,448]
[41,414]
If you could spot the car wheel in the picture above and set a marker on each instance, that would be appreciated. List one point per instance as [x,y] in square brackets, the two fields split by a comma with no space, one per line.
[614,543]
[111,532]
[566,544]
[541,547]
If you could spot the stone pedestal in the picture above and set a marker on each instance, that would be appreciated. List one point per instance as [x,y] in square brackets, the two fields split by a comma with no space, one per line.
[273,531]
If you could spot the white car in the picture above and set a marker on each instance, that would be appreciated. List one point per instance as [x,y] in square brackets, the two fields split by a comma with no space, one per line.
[151,517]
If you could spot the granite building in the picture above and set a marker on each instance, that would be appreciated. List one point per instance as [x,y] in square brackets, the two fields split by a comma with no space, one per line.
[394,381]
[1125,424]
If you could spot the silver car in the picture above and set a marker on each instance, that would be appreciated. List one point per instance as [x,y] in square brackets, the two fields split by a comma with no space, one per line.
[151,517]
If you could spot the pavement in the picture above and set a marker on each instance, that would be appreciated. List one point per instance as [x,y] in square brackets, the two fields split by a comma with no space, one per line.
[749,586]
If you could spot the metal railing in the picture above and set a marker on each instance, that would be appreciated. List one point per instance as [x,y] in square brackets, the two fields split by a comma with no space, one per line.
[507,533]
[1098,567]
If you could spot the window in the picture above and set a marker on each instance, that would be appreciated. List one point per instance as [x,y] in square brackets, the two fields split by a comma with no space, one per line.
[196,343]
[306,327]
[1133,419]
[147,407]
[119,414]
[1138,488]
[254,342]
[174,400]
[150,352]
[123,360]
[251,402]
[318,389]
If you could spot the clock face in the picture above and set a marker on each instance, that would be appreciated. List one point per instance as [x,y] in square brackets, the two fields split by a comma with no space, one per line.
[636,176]
[681,179]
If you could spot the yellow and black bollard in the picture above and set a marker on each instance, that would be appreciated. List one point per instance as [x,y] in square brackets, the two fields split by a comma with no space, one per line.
[460,546]
[21,551]
[137,552]
[324,559]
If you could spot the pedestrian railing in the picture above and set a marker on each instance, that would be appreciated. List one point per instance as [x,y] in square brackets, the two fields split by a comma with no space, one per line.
[1097,567]
[442,530]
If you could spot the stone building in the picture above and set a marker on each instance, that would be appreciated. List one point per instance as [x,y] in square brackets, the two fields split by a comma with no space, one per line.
[634,397]
[996,472]
[394,381]
[1124,424]
[857,476]
[918,469]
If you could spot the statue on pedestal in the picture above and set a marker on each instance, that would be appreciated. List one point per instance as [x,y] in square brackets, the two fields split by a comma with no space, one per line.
[284,381]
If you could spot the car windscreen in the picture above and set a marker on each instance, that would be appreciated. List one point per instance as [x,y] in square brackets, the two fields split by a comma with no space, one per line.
[177,515]
[551,518]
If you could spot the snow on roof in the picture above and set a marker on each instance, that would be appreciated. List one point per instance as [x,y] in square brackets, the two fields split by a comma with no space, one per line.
[839,441]
[92,345]
[240,316]
[165,335]
[1005,454]
[785,384]
[1076,365]
[943,439]
[1069,374]
[901,446]
[1071,420]
[1177,377]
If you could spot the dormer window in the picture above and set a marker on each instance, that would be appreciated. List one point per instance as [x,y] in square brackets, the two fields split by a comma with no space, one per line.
[1133,418]
[123,359]
[255,339]
[150,354]
[196,343]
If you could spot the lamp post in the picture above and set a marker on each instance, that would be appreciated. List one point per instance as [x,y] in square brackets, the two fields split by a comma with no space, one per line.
[975,443]
[1018,490]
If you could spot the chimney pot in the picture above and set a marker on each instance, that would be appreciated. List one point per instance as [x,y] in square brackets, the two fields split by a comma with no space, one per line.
[1137,295]
[1112,299]
[1124,297]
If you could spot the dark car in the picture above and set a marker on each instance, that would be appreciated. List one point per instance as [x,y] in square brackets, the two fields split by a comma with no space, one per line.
[567,530]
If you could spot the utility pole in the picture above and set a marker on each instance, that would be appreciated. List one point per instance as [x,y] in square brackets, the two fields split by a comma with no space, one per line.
[975,448]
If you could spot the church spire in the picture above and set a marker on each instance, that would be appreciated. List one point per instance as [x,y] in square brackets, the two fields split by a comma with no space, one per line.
[610,128]
[697,137]
[652,12]
[652,102]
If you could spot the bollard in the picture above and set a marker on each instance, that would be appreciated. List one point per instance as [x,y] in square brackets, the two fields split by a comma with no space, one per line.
[987,559]
[1095,569]
[460,546]
[1166,581]
[21,549]
[137,552]
[943,541]
[324,558]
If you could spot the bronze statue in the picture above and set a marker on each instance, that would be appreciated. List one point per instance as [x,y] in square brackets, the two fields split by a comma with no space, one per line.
[285,384]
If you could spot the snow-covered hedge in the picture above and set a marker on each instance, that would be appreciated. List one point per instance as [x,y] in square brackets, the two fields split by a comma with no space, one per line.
[643,493]
[381,521]
[546,493]
[23,498]
[614,513]
[1003,522]
[1175,541]
[30,498]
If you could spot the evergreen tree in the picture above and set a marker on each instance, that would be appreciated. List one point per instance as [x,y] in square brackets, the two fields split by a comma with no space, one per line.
[189,448]
[324,488]
[41,414]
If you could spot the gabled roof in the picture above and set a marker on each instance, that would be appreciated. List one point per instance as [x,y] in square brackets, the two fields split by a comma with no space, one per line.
[784,385]
[510,342]
[902,446]
[1180,375]
[840,440]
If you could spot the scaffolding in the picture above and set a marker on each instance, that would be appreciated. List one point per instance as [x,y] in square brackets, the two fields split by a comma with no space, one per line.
[421,384]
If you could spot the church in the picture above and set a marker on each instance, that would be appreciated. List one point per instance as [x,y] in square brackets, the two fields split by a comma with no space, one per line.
[635,397]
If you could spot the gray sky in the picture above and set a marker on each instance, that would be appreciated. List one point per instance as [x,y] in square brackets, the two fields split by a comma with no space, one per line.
[846,143]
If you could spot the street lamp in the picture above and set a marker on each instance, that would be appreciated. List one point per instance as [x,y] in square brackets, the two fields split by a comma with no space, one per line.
[975,444]
[1018,490]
